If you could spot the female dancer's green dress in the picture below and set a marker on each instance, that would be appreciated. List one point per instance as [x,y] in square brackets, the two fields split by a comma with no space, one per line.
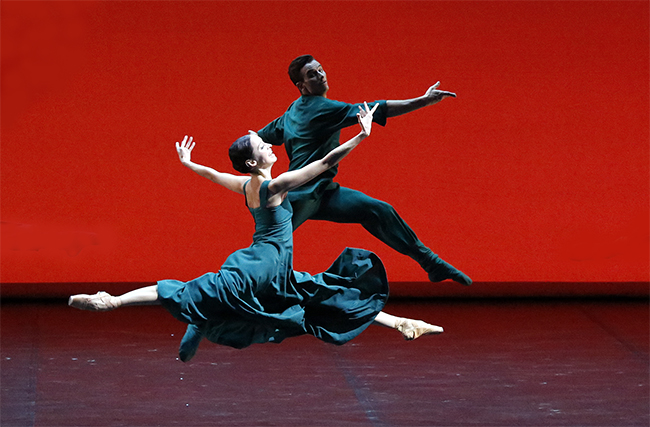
[257,297]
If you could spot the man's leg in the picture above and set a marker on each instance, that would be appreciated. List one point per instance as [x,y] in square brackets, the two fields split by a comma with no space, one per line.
[303,209]
[345,205]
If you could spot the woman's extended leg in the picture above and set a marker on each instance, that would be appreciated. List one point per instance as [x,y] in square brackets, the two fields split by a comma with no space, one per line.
[103,301]
[409,328]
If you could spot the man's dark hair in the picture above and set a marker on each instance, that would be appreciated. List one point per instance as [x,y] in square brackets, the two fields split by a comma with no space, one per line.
[240,151]
[296,65]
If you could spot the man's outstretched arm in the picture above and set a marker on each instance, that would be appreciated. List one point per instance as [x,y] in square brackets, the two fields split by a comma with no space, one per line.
[432,96]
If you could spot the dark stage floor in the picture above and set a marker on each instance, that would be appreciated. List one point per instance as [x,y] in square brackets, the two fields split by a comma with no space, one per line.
[499,363]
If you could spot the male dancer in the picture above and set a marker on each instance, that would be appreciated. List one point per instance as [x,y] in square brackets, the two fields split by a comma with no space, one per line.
[310,128]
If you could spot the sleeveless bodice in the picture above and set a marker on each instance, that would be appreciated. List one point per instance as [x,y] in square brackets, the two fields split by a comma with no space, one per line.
[272,225]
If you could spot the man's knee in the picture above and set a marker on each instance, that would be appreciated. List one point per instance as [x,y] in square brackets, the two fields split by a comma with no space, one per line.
[379,210]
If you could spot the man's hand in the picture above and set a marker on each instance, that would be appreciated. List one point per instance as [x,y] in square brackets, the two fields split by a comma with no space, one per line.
[433,95]
[184,150]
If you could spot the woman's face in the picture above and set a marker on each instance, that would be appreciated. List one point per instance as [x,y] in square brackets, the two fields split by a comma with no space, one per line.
[262,152]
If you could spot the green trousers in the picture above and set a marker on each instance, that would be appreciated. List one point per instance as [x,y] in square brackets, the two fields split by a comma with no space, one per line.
[347,206]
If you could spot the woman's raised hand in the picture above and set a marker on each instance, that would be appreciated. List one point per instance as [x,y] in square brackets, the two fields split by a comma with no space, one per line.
[365,118]
[184,149]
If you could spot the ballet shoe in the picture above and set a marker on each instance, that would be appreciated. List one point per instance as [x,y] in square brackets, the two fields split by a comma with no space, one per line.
[101,301]
[190,343]
[440,270]
[412,329]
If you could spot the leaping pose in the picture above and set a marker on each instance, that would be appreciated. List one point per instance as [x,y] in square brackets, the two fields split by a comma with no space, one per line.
[310,128]
[256,296]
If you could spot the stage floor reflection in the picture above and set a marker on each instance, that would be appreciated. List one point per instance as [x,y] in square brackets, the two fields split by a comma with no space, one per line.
[520,362]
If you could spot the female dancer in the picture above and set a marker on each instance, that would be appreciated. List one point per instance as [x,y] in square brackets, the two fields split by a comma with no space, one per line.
[256,296]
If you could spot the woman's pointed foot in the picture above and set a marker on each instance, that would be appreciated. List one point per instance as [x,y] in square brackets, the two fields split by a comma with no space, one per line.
[101,301]
[412,329]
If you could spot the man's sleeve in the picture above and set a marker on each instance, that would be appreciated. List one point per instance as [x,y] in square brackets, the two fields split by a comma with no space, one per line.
[341,115]
[380,115]
[273,133]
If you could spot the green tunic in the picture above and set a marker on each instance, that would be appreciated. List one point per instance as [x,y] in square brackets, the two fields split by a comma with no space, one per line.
[309,129]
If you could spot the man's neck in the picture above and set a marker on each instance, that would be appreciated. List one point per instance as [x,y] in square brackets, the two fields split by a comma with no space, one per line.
[305,93]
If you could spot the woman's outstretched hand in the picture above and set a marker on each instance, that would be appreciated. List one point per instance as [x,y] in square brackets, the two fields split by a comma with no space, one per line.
[184,149]
[365,118]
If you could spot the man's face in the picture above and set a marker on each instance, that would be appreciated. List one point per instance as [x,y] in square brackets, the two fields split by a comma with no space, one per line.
[314,79]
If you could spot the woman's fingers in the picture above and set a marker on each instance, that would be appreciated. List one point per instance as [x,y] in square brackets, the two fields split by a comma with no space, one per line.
[367,110]
[186,143]
[185,147]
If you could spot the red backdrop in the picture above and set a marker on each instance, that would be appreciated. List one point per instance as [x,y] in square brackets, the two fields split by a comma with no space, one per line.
[538,171]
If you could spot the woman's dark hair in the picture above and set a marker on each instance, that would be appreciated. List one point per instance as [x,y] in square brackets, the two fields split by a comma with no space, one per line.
[240,151]
[296,65]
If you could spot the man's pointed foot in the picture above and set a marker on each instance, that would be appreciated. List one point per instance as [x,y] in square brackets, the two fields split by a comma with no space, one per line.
[441,270]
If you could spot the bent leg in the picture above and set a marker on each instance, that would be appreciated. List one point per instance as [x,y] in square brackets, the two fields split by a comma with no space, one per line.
[303,209]
[345,205]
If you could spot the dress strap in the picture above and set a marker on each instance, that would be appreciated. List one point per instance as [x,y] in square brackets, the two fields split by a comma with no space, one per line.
[245,199]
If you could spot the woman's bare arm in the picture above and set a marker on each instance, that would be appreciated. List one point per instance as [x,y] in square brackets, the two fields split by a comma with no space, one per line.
[231,182]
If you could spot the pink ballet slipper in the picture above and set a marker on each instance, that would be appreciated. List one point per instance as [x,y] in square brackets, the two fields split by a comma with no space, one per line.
[101,301]
[412,329]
